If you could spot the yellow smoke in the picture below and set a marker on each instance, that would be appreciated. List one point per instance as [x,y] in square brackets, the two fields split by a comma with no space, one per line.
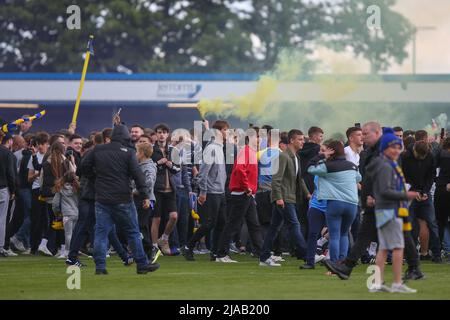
[333,114]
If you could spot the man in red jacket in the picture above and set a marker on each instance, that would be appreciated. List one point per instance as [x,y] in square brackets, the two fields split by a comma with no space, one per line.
[243,186]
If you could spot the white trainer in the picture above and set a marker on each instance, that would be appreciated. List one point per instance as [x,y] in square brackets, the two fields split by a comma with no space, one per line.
[277,258]
[9,253]
[226,259]
[62,254]
[402,288]
[17,244]
[269,263]
[45,250]
[319,258]
[379,288]
[26,252]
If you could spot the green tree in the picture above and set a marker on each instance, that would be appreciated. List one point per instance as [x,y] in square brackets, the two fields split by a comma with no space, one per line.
[189,35]
[380,47]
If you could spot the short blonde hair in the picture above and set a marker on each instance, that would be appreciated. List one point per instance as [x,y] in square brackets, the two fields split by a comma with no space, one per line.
[145,149]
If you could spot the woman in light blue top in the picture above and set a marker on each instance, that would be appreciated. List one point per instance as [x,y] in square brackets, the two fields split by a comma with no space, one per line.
[337,184]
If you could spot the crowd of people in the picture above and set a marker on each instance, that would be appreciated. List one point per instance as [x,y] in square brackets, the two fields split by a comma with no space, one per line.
[380,195]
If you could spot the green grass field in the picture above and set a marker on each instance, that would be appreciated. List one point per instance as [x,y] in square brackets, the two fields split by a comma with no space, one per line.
[36,277]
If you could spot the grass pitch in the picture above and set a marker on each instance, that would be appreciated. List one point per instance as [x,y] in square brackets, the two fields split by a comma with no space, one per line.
[38,277]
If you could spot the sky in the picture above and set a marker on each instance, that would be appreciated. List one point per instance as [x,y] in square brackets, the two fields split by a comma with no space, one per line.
[432,47]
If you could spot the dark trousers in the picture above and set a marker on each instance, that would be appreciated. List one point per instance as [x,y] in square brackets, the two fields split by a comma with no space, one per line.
[14,220]
[144,224]
[355,226]
[264,209]
[368,232]
[212,218]
[23,234]
[317,221]
[39,220]
[242,206]
[442,206]
[85,227]
[410,251]
[55,237]
[302,214]
[179,235]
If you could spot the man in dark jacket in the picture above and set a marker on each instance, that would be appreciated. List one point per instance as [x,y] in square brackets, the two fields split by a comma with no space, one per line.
[86,222]
[114,165]
[420,170]
[309,151]
[165,190]
[288,188]
[7,188]
[367,231]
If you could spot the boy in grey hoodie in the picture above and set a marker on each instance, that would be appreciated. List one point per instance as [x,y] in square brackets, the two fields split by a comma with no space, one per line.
[148,167]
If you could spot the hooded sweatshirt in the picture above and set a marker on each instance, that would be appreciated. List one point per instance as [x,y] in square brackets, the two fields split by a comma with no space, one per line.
[114,166]
[66,201]
[308,152]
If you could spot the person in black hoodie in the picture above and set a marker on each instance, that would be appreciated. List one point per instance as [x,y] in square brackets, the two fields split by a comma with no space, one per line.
[419,168]
[86,222]
[310,150]
[165,190]
[21,239]
[7,188]
[114,165]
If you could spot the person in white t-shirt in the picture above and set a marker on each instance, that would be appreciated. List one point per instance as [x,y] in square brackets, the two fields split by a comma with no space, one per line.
[38,215]
[352,152]
[355,144]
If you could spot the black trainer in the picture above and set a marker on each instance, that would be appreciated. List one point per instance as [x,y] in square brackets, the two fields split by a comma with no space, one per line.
[151,267]
[188,254]
[101,271]
[128,261]
[413,274]
[341,269]
[307,267]
[74,262]
[425,257]
[436,259]
[212,257]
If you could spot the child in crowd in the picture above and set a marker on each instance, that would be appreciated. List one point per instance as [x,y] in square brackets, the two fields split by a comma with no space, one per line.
[391,211]
[148,167]
[65,202]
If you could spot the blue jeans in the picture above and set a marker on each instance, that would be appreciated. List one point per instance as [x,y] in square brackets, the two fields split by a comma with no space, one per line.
[125,217]
[425,210]
[340,216]
[23,234]
[446,243]
[85,226]
[316,222]
[288,214]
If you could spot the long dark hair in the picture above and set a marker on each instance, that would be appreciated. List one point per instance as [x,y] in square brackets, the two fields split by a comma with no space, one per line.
[338,148]
[57,158]
[69,177]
